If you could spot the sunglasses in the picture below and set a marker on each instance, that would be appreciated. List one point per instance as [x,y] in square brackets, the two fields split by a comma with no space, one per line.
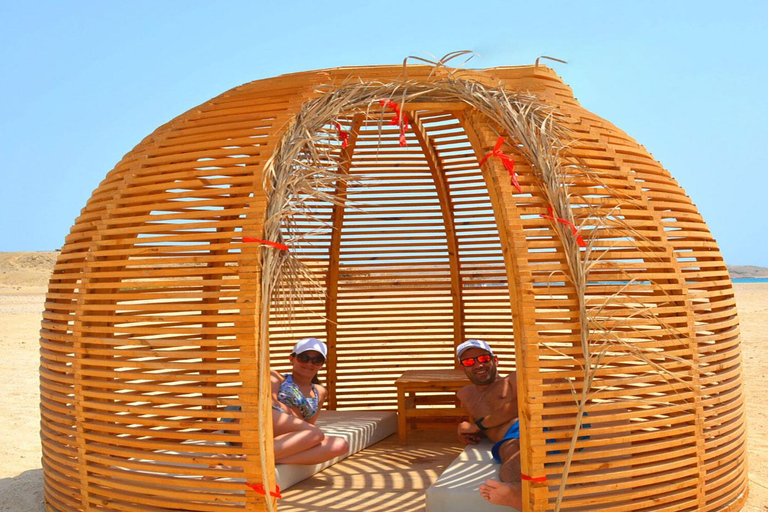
[470,361]
[304,358]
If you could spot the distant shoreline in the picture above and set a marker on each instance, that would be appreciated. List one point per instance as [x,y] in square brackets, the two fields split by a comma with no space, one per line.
[34,268]
[747,272]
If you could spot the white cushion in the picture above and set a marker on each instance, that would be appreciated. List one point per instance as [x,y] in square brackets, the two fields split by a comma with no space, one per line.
[360,428]
[457,488]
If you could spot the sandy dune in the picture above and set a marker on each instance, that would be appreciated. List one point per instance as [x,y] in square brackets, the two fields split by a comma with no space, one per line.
[23,277]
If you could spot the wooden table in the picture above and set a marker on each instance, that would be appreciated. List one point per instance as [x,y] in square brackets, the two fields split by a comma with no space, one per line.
[427,381]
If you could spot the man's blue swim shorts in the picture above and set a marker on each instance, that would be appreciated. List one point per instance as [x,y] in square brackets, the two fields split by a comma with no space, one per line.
[513,432]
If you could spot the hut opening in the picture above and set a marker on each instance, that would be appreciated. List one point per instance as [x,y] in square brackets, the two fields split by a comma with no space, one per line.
[393,217]
[406,266]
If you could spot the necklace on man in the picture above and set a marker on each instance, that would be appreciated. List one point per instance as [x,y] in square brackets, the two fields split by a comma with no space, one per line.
[485,392]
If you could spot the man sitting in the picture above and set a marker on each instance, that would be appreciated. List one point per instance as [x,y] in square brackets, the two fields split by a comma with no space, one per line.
[492,404]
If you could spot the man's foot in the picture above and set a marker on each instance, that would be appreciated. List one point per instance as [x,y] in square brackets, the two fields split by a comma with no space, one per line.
[502,494]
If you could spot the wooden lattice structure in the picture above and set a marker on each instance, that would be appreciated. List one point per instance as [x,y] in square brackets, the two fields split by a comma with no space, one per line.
[156,321]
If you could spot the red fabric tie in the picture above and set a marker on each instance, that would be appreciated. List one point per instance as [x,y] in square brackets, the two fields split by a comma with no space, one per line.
[537,479]
[399,118]
[276,245]
[509,164]
[259,488]
[344,136]
[551,216]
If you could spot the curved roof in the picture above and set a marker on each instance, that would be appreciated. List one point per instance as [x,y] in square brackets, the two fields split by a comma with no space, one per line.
[155,322]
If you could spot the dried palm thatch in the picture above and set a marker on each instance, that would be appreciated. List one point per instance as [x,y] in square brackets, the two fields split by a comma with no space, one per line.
[300,173]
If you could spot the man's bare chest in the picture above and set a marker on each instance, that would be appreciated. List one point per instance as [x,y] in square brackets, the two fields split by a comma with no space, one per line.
[481,402]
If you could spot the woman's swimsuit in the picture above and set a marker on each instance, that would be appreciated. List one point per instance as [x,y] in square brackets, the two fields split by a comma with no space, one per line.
[290,394]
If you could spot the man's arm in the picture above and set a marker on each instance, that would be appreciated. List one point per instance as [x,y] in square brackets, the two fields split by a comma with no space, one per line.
[467,431]
[505,412]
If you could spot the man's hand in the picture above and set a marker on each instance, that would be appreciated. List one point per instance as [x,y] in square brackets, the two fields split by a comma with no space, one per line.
[469,433]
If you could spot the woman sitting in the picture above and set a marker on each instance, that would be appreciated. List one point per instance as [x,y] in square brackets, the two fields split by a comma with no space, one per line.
[296,401]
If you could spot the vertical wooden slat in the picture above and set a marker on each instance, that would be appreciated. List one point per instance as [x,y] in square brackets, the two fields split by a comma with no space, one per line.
[688,334]
[446,208]
[332,281]
[520,294]
[80,334]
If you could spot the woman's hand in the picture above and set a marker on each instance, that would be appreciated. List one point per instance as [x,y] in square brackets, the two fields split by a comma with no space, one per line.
[294,411]
[322,394]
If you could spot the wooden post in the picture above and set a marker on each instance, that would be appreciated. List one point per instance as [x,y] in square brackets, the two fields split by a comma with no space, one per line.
[332,281]
[446,208]
[520,294]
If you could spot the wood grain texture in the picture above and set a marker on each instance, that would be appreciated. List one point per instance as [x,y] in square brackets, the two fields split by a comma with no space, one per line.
[153,318]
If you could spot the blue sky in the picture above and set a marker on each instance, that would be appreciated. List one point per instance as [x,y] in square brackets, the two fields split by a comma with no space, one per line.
[85,81]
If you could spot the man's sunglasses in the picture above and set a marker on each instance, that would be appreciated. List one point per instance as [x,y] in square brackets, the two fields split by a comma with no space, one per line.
[304,358]
[470,361]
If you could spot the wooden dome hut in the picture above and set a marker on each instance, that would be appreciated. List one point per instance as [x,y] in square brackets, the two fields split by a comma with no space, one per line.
[394,212]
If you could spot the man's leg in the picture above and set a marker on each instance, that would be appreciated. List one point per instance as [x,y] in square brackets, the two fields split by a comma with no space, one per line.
[509,491]
[510,461]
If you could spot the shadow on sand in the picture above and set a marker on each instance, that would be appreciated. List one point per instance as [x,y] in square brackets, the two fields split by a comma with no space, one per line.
[22,493]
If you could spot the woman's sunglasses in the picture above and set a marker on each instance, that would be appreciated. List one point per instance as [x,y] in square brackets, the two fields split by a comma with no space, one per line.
[304,358]
[470,361]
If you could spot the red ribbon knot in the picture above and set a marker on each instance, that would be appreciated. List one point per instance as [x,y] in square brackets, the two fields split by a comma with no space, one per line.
[509,164]
[551,216]
[259,488]
[344,136]
[276,245]
[399,118]
[537,479]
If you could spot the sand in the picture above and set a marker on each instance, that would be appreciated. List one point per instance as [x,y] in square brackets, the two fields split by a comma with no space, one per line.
[23,277]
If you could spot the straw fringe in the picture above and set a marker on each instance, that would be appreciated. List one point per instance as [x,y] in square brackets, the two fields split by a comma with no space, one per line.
[305,170]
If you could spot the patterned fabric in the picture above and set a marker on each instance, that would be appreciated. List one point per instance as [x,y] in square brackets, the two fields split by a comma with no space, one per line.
[290,394]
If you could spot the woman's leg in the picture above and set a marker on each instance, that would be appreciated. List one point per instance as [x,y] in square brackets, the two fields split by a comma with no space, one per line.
[329,448]
[293,435]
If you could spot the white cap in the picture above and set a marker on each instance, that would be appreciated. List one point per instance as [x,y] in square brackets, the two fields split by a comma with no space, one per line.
[473,344]
[306,344]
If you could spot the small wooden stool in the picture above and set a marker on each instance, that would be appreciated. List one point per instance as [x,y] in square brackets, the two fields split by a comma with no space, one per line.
[427,381]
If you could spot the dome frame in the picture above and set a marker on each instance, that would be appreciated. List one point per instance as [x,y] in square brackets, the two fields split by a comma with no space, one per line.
[586,199]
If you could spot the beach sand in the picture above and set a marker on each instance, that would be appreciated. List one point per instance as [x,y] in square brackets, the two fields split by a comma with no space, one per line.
[23,278]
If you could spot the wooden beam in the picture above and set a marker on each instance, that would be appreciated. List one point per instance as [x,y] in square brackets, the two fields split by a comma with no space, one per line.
[332,278]
[444,106]
[519,279]
[446,208]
